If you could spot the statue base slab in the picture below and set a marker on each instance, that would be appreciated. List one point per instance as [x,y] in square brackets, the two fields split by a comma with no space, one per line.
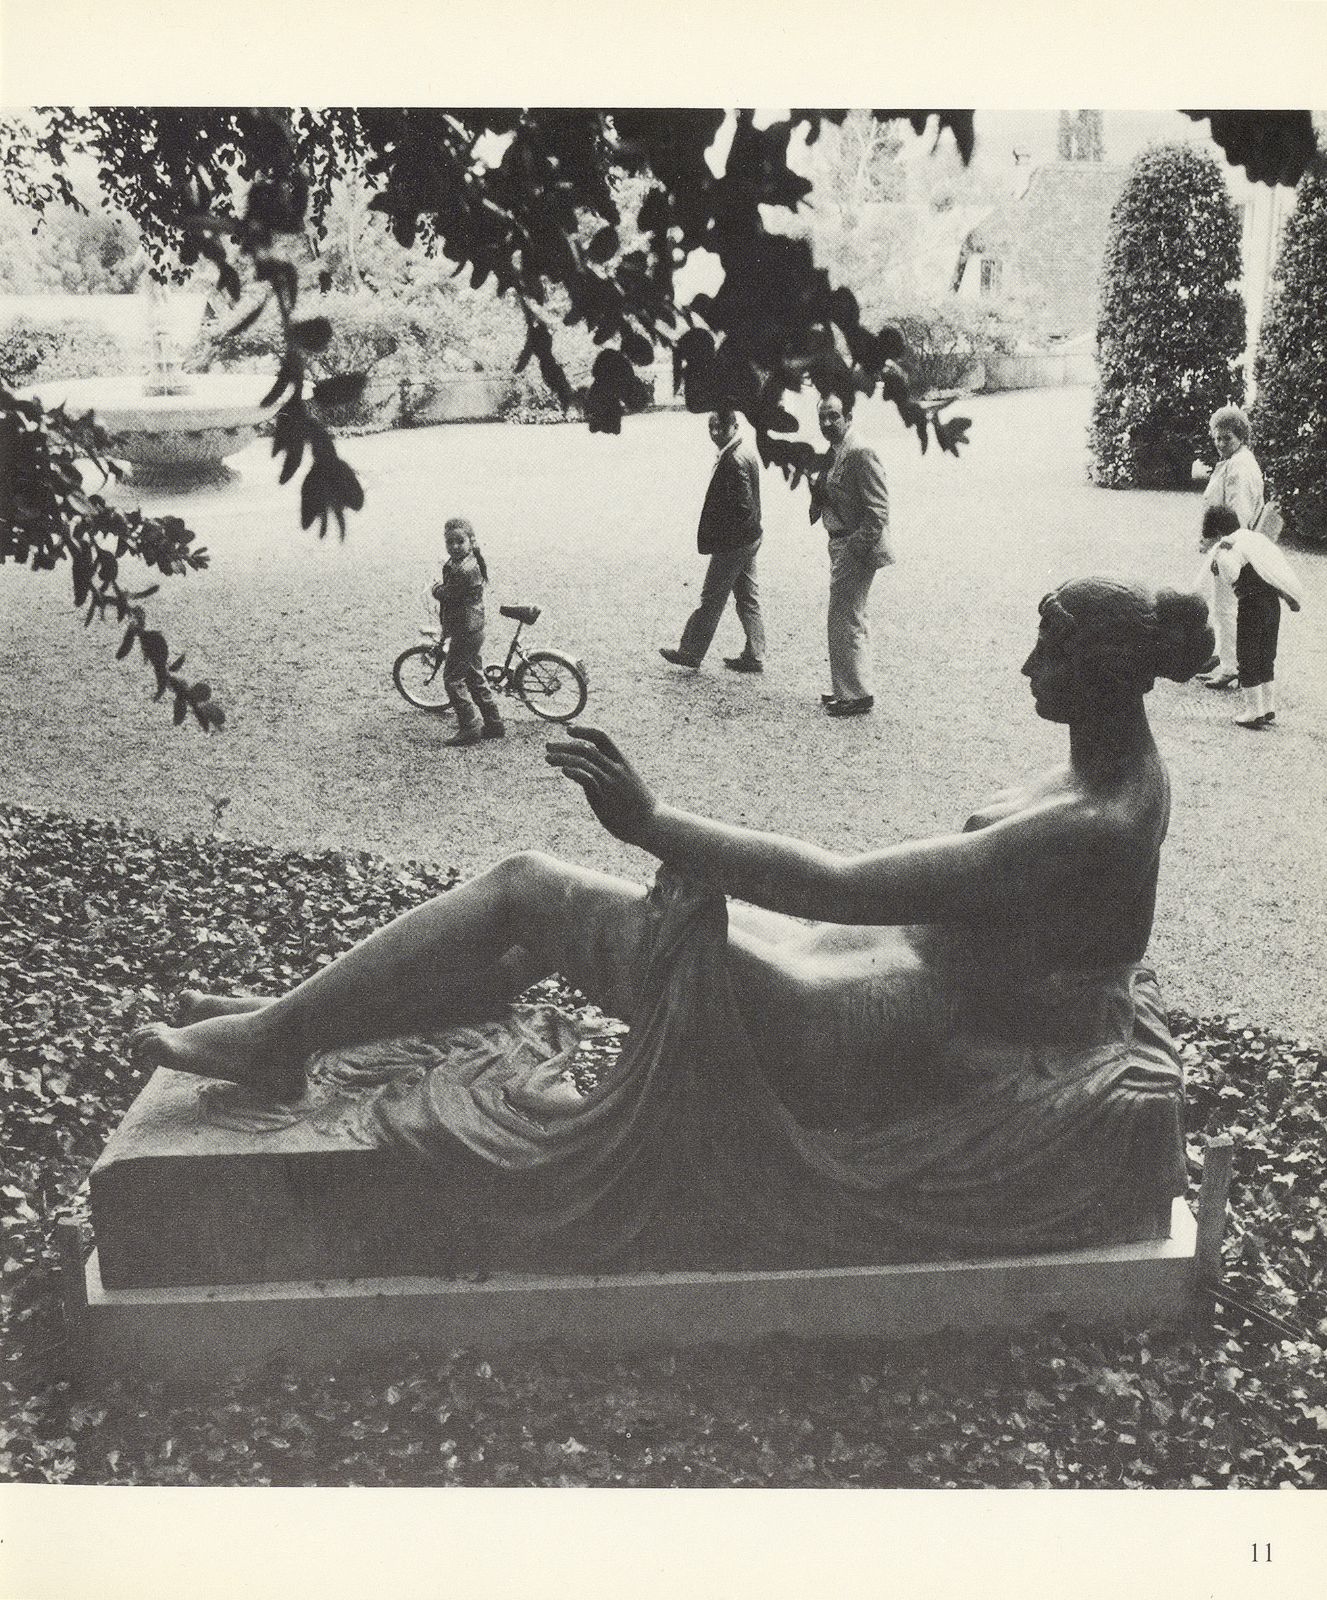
[215,1247]
[201,1334]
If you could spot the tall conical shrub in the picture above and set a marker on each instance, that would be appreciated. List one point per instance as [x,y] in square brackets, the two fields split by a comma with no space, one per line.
[1290,413]
[1170,329]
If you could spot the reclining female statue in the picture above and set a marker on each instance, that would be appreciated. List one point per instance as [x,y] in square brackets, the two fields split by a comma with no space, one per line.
[946,1046]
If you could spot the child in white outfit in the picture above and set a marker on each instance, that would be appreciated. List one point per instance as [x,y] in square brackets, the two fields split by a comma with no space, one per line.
[1260,578]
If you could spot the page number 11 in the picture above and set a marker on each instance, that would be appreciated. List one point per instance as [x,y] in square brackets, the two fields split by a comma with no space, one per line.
[1262,1552]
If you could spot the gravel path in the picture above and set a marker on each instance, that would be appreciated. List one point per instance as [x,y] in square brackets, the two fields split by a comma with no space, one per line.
[298,637]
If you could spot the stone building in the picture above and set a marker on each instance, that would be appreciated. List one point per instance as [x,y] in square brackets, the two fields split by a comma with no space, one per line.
[1040,252]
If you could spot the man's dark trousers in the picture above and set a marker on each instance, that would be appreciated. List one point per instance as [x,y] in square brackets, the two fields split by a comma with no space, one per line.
[730,572]
[729,534]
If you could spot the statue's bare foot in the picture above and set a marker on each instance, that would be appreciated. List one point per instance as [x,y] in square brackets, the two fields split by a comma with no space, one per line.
[196,1005]
[219,1047]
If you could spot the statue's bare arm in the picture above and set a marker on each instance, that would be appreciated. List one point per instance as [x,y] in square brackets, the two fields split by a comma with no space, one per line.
[1006,870]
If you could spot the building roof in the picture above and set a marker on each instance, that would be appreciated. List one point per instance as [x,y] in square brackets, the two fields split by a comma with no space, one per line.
[1058,185]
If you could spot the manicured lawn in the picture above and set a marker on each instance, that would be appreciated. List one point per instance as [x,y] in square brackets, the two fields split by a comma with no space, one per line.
[298,637]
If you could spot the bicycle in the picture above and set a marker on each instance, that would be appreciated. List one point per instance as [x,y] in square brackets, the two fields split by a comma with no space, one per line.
[553,686]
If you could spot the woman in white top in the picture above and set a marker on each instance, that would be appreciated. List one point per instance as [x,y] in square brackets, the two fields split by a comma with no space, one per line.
[1235,483]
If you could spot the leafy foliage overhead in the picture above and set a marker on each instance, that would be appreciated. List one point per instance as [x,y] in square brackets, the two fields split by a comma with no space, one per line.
[1271,146]
[47,518]
[522,198]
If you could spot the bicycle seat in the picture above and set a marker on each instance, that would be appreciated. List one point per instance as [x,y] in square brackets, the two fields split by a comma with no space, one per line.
[526,614]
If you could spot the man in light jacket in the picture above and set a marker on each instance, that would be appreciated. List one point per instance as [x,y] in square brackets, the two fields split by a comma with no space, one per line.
[852,501]
[729,533]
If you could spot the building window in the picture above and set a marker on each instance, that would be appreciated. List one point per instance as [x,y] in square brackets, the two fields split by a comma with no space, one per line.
[990,276]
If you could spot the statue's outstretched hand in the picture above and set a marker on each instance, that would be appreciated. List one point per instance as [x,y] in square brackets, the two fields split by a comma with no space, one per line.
[617,794]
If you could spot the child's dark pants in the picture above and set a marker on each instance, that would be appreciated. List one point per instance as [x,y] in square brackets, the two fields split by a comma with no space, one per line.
[1257,626]
[467,688]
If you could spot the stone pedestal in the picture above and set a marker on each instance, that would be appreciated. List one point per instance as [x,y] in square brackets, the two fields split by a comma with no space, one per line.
[177,1199]
[202,1334]
[218,1247]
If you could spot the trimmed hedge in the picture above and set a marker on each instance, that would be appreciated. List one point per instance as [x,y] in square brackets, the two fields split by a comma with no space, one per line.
[408,349]
[1289,416]
[1171,330]
[34,349]
[377,337]
[400,354]
[948,342]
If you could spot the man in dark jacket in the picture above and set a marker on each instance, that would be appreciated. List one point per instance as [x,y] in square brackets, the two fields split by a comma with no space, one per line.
[729,534]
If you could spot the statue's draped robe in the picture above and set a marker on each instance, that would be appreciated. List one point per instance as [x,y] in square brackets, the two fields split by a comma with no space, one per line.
[1060,1127]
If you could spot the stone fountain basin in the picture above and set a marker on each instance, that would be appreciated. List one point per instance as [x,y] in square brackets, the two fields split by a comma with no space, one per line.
[170,438]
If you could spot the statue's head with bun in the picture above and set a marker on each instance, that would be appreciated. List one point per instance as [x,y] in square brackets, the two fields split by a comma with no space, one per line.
[1103,643]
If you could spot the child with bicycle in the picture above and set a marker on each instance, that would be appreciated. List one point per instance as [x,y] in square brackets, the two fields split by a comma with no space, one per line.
[460,598]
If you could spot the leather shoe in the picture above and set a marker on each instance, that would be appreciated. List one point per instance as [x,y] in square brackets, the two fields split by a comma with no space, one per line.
[675,658]
[1226,680]
[850,708]
[829,699]
[743,664]
[471,734]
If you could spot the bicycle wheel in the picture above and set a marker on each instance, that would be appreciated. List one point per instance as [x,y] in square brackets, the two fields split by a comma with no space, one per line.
[552,685]
[417,673]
